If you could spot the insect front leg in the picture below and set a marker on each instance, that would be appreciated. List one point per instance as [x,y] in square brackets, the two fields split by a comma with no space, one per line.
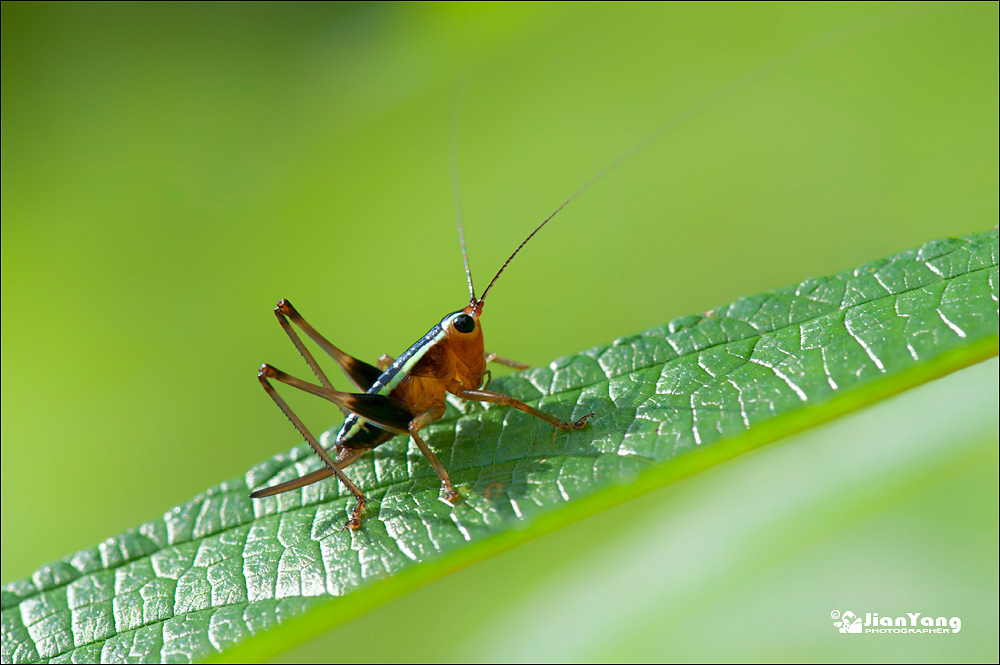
[267,372]
[507,362]
[494,358]
[384,361]
[507,400]
[422,420]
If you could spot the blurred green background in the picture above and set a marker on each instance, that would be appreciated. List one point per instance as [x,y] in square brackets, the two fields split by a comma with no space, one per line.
[172,170]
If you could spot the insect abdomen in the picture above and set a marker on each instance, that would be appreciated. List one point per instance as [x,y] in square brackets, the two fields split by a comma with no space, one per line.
[362,434]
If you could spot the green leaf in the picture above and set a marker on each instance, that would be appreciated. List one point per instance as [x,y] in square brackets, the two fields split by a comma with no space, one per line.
[669,402]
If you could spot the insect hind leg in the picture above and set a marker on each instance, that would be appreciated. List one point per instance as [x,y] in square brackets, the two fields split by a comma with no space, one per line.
[359,372]
[345,457]
[267,372]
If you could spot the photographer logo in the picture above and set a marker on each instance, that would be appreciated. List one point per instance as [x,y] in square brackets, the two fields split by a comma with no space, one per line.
[912,622]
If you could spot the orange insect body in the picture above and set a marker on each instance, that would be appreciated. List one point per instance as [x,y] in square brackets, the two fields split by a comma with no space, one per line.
[401,396]
[457,361]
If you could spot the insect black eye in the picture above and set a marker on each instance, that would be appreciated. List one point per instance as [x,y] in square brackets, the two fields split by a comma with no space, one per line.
[464,323]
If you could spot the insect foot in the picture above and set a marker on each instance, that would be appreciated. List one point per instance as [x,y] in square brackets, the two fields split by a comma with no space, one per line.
[576,424]
[355,522]
[452,497]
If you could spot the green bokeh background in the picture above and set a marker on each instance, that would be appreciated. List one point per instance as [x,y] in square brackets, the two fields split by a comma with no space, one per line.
[171,170]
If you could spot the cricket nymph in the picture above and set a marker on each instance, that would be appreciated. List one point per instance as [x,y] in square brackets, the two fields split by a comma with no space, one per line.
[400,396]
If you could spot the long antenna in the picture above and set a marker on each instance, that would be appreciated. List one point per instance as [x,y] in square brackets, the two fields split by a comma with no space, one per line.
[456,192]
[798,53]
